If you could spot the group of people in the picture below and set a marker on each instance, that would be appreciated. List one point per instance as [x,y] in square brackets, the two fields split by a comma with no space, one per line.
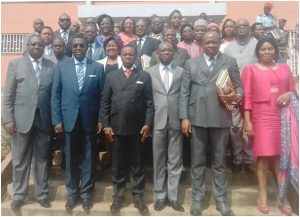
[157,85]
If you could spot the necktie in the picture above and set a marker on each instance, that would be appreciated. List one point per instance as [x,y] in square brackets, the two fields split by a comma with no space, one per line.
[139,47]
[37,70]
[212,63]
[90,52]
[127,73]
[80,74]
[65,37]
[166,78]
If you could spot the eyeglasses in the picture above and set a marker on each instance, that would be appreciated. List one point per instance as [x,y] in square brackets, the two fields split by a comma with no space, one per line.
[64,19]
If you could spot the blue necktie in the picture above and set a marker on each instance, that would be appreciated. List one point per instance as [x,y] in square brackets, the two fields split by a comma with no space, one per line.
[80,74]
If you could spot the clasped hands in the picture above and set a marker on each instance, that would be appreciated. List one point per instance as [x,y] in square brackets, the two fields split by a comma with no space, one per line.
[230,97]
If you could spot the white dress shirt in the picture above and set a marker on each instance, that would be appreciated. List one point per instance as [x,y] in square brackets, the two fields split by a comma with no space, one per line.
[162,73]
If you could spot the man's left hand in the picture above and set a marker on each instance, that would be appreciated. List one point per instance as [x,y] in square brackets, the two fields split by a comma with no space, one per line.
[99,128]
[145,132]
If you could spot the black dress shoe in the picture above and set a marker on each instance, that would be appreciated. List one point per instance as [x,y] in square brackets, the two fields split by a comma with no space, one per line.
[70,204]
[115,206]
[16,204]
[87,204]
[236,168]
[160,205]
[44,203]
[224,209]
[140,205]
[176,206]
[196,208]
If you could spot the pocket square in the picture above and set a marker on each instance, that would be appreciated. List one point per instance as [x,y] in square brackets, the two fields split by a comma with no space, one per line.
[140,82]
[92,76]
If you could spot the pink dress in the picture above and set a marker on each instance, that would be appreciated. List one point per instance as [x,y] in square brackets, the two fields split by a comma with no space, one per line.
[193,49]
[261,89]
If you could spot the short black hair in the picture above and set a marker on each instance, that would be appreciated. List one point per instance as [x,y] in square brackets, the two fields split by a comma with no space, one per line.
[267,39]
[47,27]
[81,36]
[183,27]
[123,22]
[173,12]
[111,39]
[130,46]
[102,17]
[224,24]
[253,26]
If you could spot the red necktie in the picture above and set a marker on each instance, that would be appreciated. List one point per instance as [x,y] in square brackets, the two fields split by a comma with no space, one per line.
[127,73]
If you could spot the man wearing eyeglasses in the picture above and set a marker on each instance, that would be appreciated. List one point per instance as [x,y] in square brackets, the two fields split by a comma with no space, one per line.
[64,32]
[75,103]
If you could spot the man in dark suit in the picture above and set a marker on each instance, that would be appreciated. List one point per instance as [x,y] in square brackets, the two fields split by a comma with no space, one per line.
[64,22]
[144,45]
[127,112]
[95,52]
[75,101]
[206,119]
[26,116]
[167,137]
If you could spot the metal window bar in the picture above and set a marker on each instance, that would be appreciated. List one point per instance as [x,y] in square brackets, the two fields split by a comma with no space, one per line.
[12,43]
[293,60]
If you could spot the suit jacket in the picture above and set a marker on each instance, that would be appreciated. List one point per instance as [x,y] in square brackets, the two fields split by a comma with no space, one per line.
[166,104]
[69,44]
[258,84]
[51,56]
[127,104]
[150,45]
[68,103]
[22,94]
[181,55]
[199,100]
[98,53]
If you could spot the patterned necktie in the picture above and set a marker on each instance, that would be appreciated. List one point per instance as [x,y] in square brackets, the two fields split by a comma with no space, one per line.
[212,63]
[166,78]
[139,47]
[80,74]
[65,37]
[127,73]
[37,70]
[90,52]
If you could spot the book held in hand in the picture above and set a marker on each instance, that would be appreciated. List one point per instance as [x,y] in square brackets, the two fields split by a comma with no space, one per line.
[224,86]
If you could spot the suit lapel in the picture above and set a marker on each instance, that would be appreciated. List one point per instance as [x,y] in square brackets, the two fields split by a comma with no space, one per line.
[88,69]
[203,65]
[218,66]
[31,71]
[158,77]
[134,75]
[72,75]
[175,77]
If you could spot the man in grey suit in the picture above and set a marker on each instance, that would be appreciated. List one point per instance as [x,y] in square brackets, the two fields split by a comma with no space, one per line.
[94,52]
[26,117]
[206,119]
[167,136]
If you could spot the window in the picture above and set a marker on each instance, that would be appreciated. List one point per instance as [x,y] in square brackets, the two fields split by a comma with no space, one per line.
[12,43]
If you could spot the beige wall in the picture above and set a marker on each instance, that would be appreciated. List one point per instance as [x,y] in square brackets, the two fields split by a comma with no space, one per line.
[18,17]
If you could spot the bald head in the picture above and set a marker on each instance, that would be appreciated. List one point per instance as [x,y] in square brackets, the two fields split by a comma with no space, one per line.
[38,24]
[211,43]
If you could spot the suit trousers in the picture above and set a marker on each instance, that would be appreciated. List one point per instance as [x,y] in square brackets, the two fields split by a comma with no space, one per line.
[167,162]
[80,162]
[240,144]
[127,157]
[217,139]
[27,146]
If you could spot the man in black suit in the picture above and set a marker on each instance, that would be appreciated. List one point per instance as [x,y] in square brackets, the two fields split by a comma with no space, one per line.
[127,112]
[144,45]
[64,32]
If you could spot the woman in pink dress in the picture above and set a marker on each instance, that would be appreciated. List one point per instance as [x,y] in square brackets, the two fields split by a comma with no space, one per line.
[266,87]
[188,42]
[127,31]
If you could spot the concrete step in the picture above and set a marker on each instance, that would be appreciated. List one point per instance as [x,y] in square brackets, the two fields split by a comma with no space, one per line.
[102,209]
[240,195]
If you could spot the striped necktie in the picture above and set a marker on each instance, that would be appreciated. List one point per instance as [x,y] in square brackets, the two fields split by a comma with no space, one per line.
[90,52]
[80,74]
[212,63]
[37,70]
[65,37]
[166,78]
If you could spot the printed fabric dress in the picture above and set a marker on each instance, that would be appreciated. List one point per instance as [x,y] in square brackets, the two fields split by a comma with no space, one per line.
[262,87]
